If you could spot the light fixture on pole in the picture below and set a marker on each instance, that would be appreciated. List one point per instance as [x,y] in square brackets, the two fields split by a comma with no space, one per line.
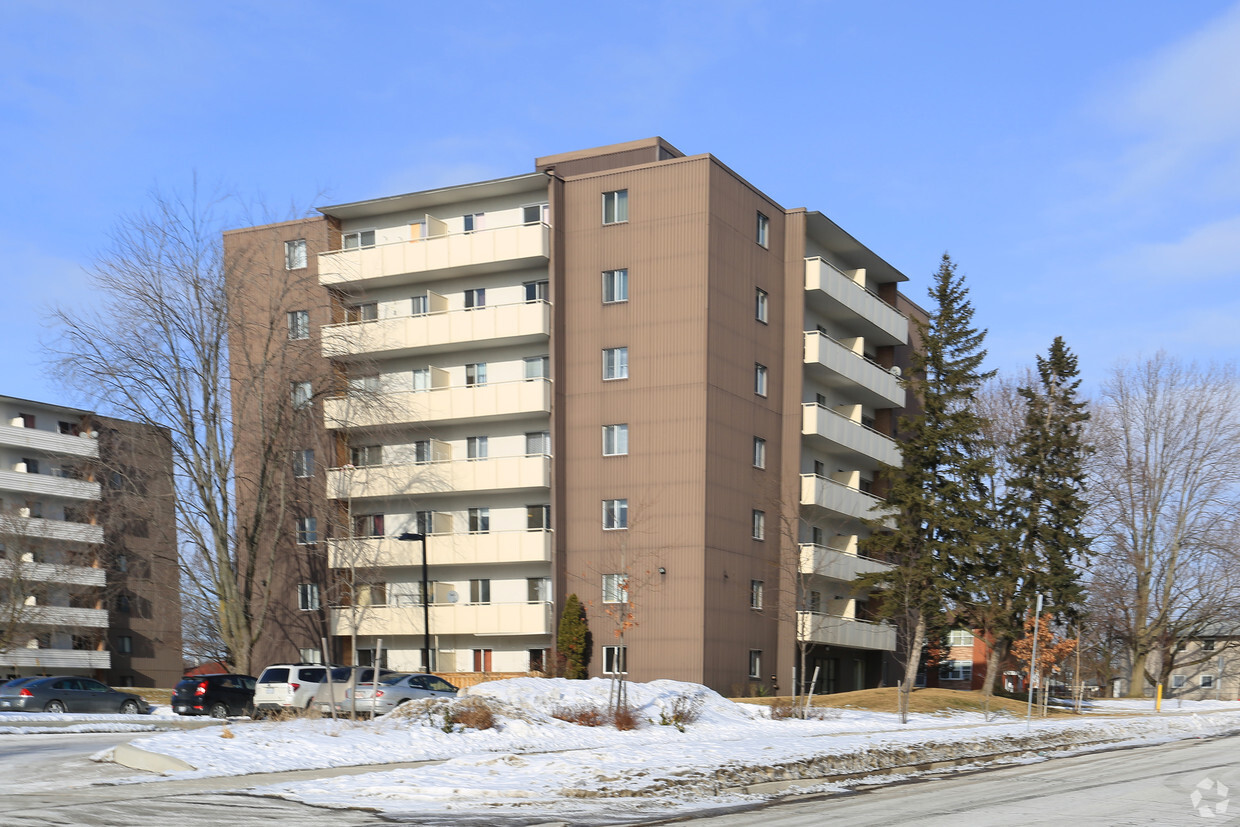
[426,601]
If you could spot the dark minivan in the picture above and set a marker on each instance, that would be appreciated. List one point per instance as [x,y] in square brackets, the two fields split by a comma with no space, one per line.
[219,696]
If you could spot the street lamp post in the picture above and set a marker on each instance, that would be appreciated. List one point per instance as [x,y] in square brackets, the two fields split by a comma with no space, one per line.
[426,602]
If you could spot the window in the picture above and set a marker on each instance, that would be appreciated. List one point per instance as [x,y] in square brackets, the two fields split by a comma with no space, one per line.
[295,254]
[422,379]
[66,428]
[1207,645]
[309,656]
[757,588]
[302,394]
[815,602]
[368,525]
[760,306]
[615,588]
[420,305]
[124,643]
[357,239]
[475,298]
[476,447]
[36,508]
[615,286]
[615,660]
[27,420]
[482,660]
[308,599]
[615,514]
[615,440]
[532,213]
[537,291]
[364,312]
[32,465]
[303,463]
[764,230]
[759,379]
[959,637]
[307,531]
[616,207]
[538,517]
[472,222]
[362,385]
[122,603]
[1178,681]
[122,564]
[755,663]
[479,520]
[1207,681]
[363,456]
[759,524]
[421,451]
[816,536]
[759,452]
[476,374]
[537,367]
[538,443]
[538,660]
[956,670]
[479,591]
[425,522]
[538,589]
[299,324]
[615,363]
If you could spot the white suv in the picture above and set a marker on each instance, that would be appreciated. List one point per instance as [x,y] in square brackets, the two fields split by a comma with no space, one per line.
[288,686]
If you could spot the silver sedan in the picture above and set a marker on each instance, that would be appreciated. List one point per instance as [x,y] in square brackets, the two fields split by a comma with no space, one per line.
[397,688]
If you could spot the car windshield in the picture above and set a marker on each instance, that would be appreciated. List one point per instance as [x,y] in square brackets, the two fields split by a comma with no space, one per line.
[340,674]
[274,676]
[393,678]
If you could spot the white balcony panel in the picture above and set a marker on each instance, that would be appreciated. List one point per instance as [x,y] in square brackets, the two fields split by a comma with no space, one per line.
[835,564]
[494,401]
[823,423]
[65,616]
[407,262]
[837,498]
[48,486]
[832,630]
[48,442]
[486,619]
[443,550]
[493,326]
[51,573]
[76,659]
[57,530]
[497,474]
[839,367]
[837,296]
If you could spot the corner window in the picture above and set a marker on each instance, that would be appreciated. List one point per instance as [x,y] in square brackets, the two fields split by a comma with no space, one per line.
[357,239]
[303,463]
[302,394]
[615,440]
[759,379]
[615,363]
[759,452]
[615,514]
[756,592]
[616,207]
[308,599]
[615,286]
[764,230]
[295,254]
[760,305]
[307,531]
[615,660]
[299,324]
[755,663]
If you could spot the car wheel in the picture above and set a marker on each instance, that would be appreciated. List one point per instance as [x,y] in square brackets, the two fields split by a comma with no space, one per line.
[219,711]
[129,708]
[55,707]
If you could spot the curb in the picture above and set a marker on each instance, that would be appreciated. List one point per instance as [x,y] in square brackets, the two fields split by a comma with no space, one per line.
[127,755]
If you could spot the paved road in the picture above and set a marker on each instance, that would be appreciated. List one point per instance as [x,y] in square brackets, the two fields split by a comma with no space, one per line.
[1145,786]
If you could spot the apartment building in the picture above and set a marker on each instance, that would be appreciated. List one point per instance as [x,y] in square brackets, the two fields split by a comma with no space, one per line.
[88,560]
[628,375]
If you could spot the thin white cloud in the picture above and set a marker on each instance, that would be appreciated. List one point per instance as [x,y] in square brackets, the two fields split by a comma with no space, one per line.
[1202,254]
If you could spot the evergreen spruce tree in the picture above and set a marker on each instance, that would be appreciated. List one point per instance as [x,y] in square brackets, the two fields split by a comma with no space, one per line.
[938,496]
[573,639]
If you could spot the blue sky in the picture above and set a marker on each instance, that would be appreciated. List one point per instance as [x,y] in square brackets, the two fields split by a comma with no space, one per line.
[1081,161]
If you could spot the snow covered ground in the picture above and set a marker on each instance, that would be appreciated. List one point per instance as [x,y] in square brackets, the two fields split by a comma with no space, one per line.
[531,765]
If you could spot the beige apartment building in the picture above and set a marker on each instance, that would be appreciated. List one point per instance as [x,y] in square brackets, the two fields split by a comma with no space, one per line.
[628,375]
[89,581]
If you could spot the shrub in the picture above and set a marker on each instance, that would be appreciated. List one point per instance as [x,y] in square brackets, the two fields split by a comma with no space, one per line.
[685,709]
[471,713]
[624,719]
[580,715]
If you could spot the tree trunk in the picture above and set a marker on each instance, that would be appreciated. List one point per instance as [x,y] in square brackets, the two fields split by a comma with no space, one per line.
[910,665]
[994,661]
[1136,678]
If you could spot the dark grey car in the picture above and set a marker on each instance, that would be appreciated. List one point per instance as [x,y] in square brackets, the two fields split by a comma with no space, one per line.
[69,693]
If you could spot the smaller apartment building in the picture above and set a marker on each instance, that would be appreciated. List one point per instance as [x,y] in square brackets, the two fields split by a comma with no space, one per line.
[88,558]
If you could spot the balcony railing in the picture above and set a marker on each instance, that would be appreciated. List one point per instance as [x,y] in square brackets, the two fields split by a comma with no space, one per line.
[486,619]
[823,423]
[76,659]
[836,296]
[52,573]
[60,530]
[442,550]
[491,326]
[827,494]
[49,442]
[496,400]
[494,474]
[404,262]
[65,616]
[48,485]
[869,382]
[834,564]
[832,630]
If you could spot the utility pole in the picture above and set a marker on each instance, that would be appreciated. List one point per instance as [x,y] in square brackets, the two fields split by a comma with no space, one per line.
[1033,664]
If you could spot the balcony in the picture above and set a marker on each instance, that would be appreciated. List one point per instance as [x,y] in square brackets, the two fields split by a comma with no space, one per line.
[55,530]
[443,550]
[52,573]
[832,630]
[75,659]
[483,619]
[408,262]
[494,475]
[834,564]
[502,400]
[837,366]
[836,296]
[49,442]
[65,616]
[837,498]
[490,326]
[822,423]
[48,485]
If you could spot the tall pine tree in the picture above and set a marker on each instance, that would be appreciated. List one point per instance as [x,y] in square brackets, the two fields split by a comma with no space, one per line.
[573,640]
[938,496]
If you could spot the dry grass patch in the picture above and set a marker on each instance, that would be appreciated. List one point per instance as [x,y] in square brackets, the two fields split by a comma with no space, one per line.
[581,715]
[925,701]
[471,713]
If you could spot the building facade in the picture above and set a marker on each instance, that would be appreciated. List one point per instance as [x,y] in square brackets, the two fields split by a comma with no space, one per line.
[88,558]
[629,375]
